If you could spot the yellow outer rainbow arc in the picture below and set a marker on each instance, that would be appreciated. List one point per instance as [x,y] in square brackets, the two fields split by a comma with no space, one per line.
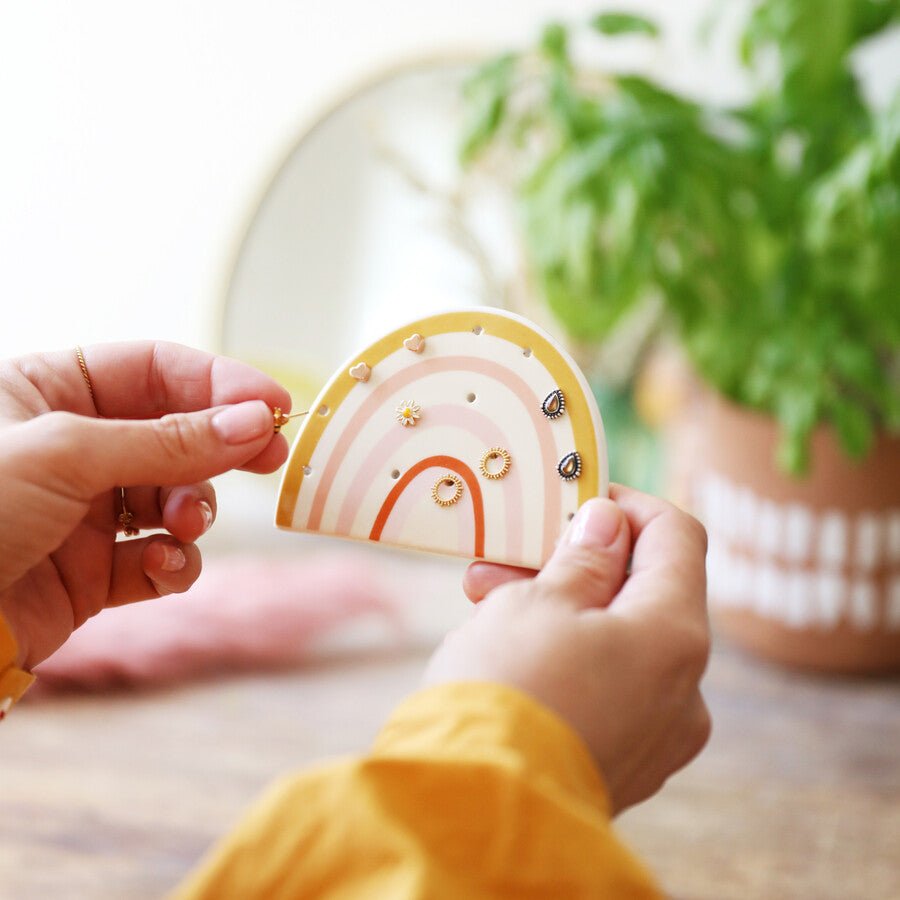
[506,326]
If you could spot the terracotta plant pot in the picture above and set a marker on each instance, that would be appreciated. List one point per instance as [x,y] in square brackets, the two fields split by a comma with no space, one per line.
[806,571]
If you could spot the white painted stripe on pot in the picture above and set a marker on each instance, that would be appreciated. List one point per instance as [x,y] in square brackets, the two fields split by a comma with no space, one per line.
[868,541]
[700,491]
[730,577]
[892,607]
[893,536]
[723,506]
[725,576]
[831,591]
[799,608]
[715,569]
[771,601]
[709,504]
[833,539]
[769,536]
[798,532]
[862,604]
[742,581]
[747,505]
[708,500]
[769,589]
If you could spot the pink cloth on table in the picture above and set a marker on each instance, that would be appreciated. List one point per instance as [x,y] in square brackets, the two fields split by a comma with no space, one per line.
[244,614]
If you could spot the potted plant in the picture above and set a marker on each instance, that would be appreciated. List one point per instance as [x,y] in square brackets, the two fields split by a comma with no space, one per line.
[768,234]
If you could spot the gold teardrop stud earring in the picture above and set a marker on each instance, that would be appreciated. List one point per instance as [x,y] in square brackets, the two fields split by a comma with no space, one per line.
[554,404]
[569,466]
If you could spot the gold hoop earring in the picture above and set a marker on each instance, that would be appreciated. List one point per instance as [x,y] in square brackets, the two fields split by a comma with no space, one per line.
[489,456]
[448,480]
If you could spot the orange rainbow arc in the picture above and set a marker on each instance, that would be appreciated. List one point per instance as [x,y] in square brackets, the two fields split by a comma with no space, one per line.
[445,462]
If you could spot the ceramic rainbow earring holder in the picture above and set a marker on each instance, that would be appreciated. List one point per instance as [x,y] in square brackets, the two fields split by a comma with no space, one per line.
[470,433]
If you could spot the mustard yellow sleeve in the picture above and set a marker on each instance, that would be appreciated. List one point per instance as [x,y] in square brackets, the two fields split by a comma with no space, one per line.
[13,681]
[471,791]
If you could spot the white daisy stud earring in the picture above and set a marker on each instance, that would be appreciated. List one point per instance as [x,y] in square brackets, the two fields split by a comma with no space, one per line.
[447,490]
[408,413]
[569,466]
[489,463]
[554,404]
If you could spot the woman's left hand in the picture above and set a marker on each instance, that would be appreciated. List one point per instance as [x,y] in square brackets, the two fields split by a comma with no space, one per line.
[162,420]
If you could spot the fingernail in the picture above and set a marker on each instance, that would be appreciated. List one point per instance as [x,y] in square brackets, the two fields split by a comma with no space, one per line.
[206,514]
[173,558]
[596,524]
[243,422]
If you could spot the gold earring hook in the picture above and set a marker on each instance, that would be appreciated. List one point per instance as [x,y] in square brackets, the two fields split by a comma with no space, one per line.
[280,419]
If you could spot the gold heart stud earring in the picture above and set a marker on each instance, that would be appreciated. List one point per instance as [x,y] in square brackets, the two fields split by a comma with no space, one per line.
[360,372]
[416,343]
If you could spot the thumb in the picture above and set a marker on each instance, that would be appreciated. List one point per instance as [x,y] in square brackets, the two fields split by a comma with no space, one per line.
[588,567]
[179,448]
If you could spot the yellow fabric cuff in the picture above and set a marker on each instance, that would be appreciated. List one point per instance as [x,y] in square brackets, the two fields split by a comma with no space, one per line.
[472,790]
[527,736]
[13,680]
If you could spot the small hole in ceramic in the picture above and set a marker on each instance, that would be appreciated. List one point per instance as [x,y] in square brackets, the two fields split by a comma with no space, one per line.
[570,516]
[526,351]
[395,474]
[471,397]
[307,470]
[477,330]
[323,410]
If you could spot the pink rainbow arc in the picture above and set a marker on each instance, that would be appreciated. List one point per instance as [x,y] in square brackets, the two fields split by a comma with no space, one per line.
[419,491]
[401,379]
[423,465]
[377,460]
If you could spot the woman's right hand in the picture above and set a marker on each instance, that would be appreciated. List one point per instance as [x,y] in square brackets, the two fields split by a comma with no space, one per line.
[618,655]
[162,419]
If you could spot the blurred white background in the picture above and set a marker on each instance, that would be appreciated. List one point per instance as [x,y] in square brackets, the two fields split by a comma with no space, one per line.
[136,141]
[136,138]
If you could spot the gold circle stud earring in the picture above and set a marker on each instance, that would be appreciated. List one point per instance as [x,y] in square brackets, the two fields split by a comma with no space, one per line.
[489,457]
[449,480]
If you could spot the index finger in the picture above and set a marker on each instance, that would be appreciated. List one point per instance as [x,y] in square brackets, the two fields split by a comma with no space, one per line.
[668,568]
[147,379]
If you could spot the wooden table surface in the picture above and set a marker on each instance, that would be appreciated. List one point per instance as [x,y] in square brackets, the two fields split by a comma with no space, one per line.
[797,795]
